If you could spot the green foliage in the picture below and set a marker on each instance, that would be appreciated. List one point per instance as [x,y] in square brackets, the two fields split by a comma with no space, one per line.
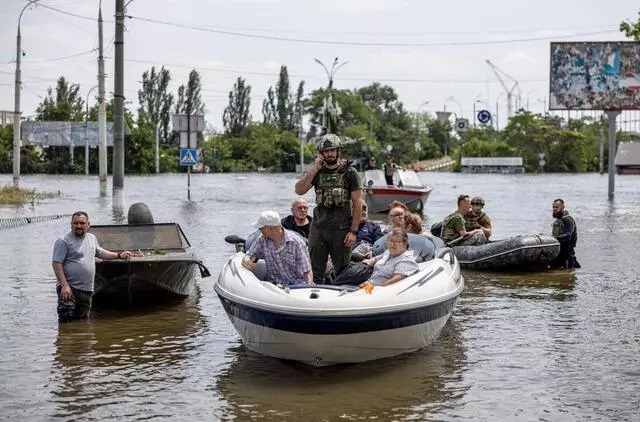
[631,29]
[236,115]
[65,105]
[281,108]
[155,100]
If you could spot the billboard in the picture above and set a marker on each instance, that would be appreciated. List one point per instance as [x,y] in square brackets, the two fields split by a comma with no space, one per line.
[65,133]
[594,76]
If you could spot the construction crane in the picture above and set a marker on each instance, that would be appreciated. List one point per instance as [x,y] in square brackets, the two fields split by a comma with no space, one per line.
[499,73]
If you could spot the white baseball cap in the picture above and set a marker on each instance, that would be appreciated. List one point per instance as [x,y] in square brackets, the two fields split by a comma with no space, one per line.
[267,218]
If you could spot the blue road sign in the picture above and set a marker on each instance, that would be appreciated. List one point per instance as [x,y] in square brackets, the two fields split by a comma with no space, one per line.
[484,116]
[188,156]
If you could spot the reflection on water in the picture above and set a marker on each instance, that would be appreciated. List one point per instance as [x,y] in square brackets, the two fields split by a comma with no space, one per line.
[544,285]
[408,386]
[115,355]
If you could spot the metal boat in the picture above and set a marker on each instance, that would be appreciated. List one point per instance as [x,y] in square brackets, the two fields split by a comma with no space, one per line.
[324,325]
[164,264]
[407,188]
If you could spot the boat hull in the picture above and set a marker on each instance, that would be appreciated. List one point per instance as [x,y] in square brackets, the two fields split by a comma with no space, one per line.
[407,188]
[526,252]
[327,325]
[126,282]
[327,341]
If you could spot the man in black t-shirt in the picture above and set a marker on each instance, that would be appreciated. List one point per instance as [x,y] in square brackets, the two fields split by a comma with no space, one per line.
[298,221]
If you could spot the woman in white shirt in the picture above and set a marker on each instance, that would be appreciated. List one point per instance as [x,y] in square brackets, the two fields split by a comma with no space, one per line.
[396,263]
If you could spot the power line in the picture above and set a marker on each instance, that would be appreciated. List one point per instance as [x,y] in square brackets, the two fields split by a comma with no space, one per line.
[352,43]
[370,44]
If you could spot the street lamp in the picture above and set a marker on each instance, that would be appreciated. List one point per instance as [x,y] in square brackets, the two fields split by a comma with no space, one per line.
[328,106]
[331,73]
[86,133]
[16,114]
[452,98]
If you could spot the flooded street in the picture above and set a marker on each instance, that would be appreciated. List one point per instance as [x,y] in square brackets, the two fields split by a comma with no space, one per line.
[533,346]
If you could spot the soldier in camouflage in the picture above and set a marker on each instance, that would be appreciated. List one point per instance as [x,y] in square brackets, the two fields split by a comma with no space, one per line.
[476,218]
[453,227]
[338,210]
[566,232]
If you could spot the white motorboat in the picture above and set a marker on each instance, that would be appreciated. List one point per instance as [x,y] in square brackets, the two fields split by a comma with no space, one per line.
[407,188]
[325,325]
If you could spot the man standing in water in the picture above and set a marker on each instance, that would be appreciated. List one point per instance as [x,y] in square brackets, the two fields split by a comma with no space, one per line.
[566,232]
[338,212]
[75,268]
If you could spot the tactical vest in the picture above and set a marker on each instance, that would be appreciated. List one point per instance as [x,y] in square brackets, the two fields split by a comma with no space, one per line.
[558,229]
[331,191]
[471,220]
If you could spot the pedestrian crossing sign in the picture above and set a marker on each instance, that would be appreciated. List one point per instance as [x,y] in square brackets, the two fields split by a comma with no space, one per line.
[188,156]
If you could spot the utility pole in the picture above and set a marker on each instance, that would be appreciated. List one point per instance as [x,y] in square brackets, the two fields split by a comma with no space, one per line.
[118,105]
[16,111]
[102,113]
[86,133]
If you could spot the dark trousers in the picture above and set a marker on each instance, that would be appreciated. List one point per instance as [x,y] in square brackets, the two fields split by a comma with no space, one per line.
[78,307]
[324,243]
[389,179]
[566,259]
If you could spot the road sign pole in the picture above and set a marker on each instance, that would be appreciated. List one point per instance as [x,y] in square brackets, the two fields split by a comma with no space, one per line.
[188,146]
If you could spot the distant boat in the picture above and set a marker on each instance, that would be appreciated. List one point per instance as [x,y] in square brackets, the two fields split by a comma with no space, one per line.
[407,188]
[163,267]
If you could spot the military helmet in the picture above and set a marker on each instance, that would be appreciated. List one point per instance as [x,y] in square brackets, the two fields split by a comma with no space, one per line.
[477,200]
[328,141]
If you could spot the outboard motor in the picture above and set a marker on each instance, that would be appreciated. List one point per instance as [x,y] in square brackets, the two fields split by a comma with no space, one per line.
[139,213]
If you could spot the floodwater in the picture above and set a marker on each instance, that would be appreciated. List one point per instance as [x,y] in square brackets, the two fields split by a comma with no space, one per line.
[539,346]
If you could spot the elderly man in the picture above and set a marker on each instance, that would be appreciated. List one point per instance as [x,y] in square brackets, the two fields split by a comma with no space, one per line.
[453,227]
[298,221]
[284,253]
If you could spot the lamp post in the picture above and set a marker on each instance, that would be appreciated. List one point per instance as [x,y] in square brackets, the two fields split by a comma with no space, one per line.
[452,98]
[86,133]
[16,114]
[328,103]
[418,115]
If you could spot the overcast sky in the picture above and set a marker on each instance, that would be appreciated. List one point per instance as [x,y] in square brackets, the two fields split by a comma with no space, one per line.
[426,50]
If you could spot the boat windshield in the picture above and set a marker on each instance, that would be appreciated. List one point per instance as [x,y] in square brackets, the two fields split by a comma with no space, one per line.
[409,178]
[140,237]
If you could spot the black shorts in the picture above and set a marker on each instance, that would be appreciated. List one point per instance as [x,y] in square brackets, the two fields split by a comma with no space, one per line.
[76,308]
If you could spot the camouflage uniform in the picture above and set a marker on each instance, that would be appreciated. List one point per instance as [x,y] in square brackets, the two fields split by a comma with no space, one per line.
[473,221]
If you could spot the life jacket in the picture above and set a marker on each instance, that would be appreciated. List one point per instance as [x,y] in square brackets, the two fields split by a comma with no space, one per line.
[331,189]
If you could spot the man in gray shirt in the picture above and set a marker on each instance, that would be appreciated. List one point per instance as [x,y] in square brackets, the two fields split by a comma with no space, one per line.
[75,268]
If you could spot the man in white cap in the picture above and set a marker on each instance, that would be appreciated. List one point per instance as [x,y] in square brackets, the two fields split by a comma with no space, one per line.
[284,252]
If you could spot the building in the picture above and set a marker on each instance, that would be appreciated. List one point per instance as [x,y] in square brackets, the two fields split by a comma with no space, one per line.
[6,118]
[492,165]
[628,158]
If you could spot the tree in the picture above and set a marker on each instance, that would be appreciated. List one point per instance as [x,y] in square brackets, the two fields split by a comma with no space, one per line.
[66,105]
[631,29]
[189,100]
[280,108]
[236,115]
[155,100]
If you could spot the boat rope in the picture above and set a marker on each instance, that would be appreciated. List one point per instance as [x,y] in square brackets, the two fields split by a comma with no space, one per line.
[6,223]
